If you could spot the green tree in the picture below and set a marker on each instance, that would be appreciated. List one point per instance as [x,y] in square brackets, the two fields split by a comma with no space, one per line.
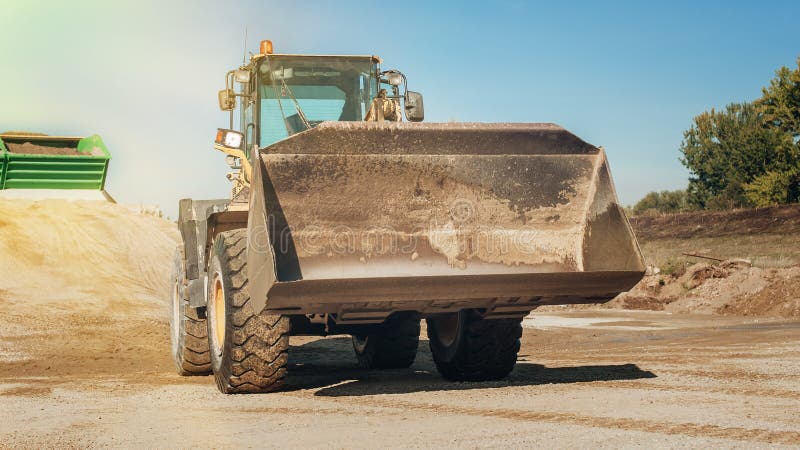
[727,150]
[779,107]
[780,102]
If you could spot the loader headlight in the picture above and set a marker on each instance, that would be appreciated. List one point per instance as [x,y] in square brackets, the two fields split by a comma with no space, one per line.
[233,140]
[229,138]
[394,78]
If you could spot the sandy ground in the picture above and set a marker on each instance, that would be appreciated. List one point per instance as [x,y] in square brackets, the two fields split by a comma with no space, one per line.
[584,379]
[84,362]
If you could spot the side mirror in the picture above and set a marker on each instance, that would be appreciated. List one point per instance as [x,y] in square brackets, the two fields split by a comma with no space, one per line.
[227,100]
[415,110]
[241,76]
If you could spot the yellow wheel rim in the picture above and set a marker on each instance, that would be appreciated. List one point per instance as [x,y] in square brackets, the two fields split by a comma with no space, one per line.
[219,314]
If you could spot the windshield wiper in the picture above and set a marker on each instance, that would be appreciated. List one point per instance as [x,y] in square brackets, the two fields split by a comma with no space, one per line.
[278,97]
[300,112]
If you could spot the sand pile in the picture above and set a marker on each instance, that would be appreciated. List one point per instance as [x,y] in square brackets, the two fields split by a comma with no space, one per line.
[83,254]
[84,288]
[731,287]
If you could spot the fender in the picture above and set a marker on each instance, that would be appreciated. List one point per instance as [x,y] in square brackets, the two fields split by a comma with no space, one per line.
[193,223]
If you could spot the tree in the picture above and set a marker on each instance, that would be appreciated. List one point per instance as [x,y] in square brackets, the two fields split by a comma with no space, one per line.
[779,107]
[780,102]
[727,150]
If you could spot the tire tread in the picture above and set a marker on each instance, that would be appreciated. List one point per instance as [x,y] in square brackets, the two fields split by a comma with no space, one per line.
[488,349]
[190,353]
[395,347]
[256,350]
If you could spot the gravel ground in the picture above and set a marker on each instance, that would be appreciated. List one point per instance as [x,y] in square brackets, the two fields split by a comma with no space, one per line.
[84,362]
[584,379]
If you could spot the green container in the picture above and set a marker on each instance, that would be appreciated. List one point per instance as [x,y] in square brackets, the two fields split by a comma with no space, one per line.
[3,158]
[54,162]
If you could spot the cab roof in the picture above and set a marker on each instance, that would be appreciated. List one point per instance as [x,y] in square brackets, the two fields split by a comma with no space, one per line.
[370,57]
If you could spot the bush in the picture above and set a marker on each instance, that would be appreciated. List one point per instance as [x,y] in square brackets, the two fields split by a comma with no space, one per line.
[774,188]
[675,267]
[664,202]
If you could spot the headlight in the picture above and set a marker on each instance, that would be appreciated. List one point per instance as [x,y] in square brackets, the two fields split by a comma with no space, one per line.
[229,138]
[394,78]
[233,140]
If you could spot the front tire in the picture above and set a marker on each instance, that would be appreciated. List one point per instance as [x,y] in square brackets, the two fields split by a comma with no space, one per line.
[248,349]
[394,346]
[187,327]
[468,347]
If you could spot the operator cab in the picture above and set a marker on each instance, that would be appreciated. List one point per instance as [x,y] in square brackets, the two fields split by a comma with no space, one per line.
[297,93]
[283,94]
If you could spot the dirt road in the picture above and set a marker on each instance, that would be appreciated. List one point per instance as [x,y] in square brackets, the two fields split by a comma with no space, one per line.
[84,362]
[585,379]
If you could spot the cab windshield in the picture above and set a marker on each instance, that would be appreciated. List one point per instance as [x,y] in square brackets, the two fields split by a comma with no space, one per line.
[300,92]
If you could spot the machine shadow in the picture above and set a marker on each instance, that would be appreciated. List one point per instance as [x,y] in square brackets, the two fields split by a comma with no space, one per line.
[330,366]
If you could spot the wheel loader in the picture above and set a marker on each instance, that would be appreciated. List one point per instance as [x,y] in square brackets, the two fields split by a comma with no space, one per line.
[340,225]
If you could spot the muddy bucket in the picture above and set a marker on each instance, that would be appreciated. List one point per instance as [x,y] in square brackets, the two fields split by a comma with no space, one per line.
[357,217]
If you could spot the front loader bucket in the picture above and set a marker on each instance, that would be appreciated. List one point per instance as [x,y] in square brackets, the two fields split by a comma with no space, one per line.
[54,162]
[363,218]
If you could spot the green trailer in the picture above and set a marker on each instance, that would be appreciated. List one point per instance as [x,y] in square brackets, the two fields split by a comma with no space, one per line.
[53,162]
[3,158]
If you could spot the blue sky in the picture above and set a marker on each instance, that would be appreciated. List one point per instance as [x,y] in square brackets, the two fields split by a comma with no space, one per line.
[626,75]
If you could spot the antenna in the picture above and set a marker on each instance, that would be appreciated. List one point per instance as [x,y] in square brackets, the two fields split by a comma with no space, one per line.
[244,52]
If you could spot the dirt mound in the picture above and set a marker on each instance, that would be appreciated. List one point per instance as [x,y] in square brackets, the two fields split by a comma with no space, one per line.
[85,247]
[731,288]
[48,148]
[780,297]
[89,280]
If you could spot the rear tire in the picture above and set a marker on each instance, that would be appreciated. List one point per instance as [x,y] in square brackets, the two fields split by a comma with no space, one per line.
[248,349]
[188,331]
[393,347]
[467,347]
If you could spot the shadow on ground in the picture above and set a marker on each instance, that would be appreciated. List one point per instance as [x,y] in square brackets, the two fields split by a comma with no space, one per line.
[329,365]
